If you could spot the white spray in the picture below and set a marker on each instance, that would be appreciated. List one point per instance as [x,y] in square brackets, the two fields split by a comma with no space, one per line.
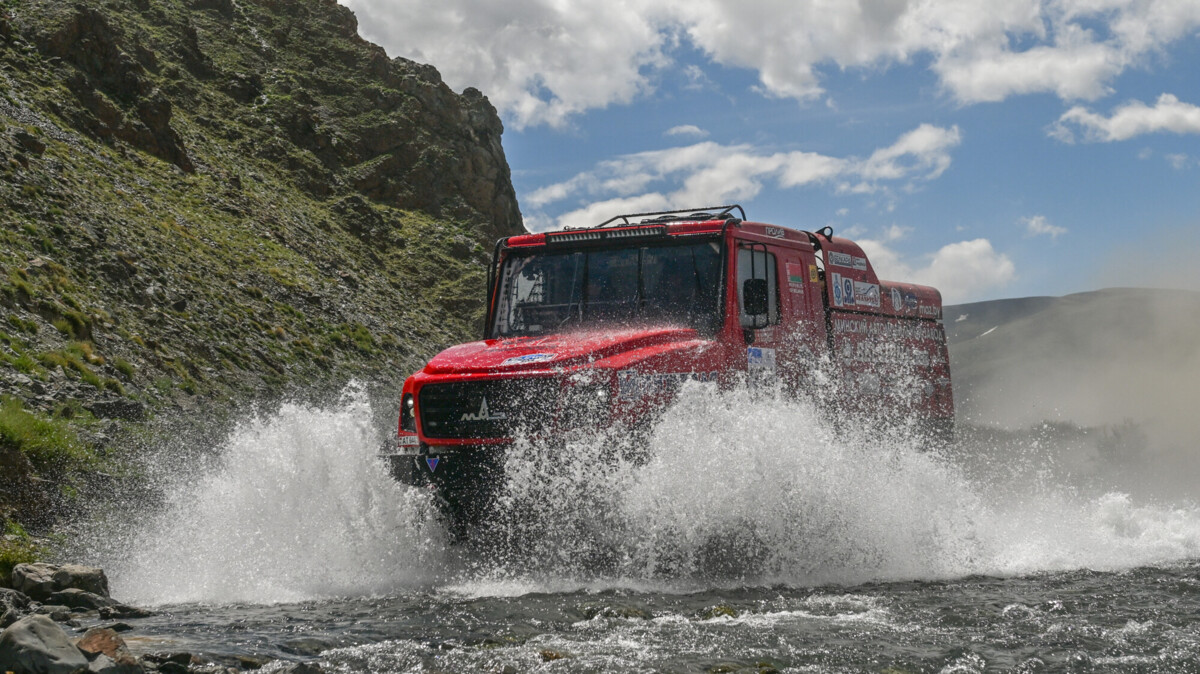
[298,506]
[736,488]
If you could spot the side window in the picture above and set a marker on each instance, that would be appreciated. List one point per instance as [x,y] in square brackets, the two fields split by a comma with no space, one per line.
[754,262]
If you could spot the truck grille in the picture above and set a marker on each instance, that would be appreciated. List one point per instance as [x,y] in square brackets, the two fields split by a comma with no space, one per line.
[486,409]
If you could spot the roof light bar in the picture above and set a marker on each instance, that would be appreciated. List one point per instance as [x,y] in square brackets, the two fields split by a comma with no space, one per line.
[594,235]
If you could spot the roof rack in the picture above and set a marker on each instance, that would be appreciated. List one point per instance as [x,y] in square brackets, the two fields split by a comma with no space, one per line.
[722,213]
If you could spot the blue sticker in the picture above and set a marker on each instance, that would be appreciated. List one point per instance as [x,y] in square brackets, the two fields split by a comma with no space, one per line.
[847,291]
[432,462]
[529,358]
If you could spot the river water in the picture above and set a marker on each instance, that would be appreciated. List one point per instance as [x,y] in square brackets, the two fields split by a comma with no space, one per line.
[756,538]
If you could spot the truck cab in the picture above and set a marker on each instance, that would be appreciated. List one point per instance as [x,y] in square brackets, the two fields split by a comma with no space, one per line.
[600,326]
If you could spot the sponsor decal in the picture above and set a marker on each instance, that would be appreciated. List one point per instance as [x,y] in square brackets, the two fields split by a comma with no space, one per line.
[910,300]
[529,358]
[408,441]
[841,259]
[897,300]
[483,414]
[635,385]
[432,462]
[878,352]
[866,294]
[812,273]
[847,260]
[776,232]
[893,328]
[760,359]
[931,312]
[795,277]
[837,290]
[848,297]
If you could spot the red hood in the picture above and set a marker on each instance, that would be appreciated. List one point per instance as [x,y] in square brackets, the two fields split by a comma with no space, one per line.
[566,349]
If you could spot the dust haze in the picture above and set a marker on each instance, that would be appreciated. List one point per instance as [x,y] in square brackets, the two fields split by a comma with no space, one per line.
[1105,384]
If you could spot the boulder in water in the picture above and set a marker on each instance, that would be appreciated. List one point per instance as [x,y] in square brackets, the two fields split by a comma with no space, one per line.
[13,605]
[36,644]
[75,598]
[86,578]
[35,580]
[119,611]
[106,665]
[40,580]
[59,614]
[104,642]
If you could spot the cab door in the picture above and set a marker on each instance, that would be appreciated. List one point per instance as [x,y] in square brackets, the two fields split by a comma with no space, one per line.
[801,334]
[759,308]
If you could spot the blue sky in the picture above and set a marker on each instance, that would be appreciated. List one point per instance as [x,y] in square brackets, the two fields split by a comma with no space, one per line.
[990,148]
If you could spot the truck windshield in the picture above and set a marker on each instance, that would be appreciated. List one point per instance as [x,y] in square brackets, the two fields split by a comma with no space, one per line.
[546,292]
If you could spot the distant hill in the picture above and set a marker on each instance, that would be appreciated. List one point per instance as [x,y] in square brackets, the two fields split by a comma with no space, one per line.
[1091,358]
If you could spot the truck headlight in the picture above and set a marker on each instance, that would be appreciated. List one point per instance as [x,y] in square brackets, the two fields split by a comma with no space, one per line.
[408,420]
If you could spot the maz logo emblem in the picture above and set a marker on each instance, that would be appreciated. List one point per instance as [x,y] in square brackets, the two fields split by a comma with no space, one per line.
[482,414]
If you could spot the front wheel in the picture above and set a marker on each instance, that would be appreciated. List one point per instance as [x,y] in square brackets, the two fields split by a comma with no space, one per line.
[465,484]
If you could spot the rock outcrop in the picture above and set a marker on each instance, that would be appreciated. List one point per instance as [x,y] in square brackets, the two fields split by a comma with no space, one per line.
[210,202]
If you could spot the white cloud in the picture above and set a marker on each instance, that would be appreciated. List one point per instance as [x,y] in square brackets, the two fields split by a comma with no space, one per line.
[686,130]
[853,231]
[538,61]
[1132,119]
[923,150]
[1038,225]
[962,271]
[1178,161]
[709,173]
[542,61]
[595,213]
[895,232]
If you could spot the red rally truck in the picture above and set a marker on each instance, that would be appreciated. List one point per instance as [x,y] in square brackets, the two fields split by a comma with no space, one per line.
[601,325]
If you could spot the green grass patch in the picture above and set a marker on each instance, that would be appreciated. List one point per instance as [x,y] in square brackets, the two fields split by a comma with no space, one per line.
[73,324]
[21,362]
[77,357]
[124,367]
[16,547]
[50,444]
[23,325]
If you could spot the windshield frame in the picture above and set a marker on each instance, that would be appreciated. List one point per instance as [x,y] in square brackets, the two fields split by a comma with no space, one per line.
[506,256]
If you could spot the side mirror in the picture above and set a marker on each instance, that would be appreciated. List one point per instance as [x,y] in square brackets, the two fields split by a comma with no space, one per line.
[754,297]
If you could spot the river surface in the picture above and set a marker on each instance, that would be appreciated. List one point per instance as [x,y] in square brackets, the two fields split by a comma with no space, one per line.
[1143,620]
[755,539]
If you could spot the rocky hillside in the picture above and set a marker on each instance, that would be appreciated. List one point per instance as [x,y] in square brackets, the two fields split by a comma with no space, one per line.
[207,201]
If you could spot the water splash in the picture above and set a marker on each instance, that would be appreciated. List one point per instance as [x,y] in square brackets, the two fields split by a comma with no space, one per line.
[297,506]
[742,488]
[734,488]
